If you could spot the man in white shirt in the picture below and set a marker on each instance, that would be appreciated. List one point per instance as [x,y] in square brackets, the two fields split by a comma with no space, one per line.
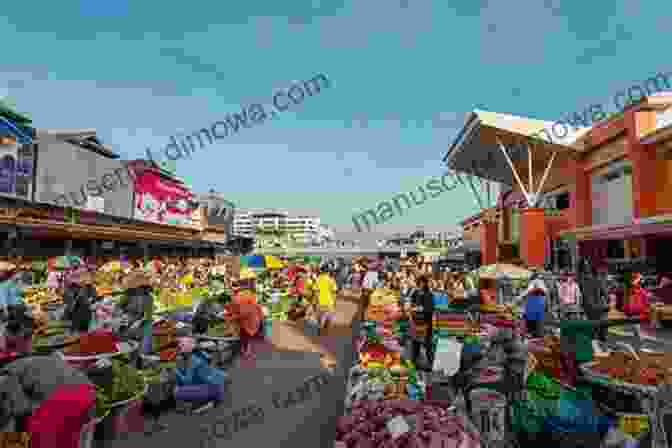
[371,282]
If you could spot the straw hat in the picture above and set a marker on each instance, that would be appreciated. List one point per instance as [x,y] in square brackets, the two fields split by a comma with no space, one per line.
[137,280]
[6,266]
[84,278]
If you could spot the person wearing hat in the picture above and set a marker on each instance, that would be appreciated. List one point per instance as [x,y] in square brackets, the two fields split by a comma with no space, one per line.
[535,305]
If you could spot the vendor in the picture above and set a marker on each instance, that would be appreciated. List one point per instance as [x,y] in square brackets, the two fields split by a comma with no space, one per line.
[250,316]
[424,300]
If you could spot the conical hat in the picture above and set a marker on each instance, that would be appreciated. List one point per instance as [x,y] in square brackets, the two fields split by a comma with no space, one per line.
[137,280]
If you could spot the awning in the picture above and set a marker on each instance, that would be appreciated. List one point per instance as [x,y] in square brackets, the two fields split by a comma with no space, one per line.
[21,134]
[476,150]
[619,232]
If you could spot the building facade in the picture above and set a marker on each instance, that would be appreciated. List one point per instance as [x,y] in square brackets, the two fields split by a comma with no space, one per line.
[608,196]
[301,229]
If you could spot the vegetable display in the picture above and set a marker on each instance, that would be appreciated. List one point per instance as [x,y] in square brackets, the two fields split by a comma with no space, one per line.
[650,369]
[127,382]
[431,425]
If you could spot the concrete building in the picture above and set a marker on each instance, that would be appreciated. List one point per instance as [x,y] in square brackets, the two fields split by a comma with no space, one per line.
[608,191]
[302,229]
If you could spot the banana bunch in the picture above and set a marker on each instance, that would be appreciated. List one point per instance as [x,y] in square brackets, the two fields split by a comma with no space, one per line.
[41,297]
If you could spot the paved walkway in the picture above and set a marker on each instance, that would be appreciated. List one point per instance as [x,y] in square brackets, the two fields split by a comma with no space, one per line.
[282,365]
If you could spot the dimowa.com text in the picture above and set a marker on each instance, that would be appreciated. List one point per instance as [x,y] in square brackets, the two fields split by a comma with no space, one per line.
[384,211]
[182,146]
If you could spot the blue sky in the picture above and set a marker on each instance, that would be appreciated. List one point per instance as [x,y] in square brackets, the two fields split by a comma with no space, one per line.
[403,76]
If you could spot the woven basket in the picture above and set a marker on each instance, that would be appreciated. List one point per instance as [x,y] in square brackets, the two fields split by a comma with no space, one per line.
[15,440]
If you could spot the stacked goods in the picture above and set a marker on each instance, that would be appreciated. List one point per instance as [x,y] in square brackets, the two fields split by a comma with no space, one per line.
[548,356]
[126,384]
[164,334]
[224,329]
[651,369]
[384,296]
[404,423]
[93,344]
[450,324]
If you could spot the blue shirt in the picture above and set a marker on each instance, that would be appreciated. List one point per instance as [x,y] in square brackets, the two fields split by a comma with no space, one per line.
[535,307]
[10,293]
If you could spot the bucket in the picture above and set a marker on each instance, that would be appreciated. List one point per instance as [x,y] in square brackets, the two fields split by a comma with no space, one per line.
[199,392]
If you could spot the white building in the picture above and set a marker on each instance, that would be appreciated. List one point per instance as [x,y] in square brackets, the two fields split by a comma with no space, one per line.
[300,228]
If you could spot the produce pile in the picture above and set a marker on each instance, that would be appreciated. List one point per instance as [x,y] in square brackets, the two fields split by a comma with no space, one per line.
[41,296]
[424,425]
[650,370]
[127,383]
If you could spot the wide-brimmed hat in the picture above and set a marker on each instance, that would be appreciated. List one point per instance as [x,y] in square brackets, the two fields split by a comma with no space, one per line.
[136,280]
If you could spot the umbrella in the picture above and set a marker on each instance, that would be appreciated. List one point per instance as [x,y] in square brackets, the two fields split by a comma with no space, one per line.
[247,274]
[114,266]
[273,262]
[67,261]
[494,271]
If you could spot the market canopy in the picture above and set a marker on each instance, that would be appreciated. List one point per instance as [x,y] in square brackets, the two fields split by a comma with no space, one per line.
[503,270]
[273,262]
[477,151]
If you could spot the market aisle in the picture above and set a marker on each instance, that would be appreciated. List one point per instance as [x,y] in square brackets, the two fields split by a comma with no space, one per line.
[282,365]
[289,335]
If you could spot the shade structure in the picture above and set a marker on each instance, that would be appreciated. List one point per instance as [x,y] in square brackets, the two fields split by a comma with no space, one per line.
[495,271]
[476,150]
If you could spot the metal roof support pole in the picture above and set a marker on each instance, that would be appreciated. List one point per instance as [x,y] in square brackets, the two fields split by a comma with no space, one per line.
[546,173]
[459,178]
[529,169]
[473,190]
[513,170]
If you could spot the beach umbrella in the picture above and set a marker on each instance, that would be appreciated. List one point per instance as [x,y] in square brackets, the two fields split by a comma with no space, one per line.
[273,262]
[257,261]
[113,266]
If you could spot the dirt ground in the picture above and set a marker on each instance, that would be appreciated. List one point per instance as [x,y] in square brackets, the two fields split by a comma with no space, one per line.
[290,336]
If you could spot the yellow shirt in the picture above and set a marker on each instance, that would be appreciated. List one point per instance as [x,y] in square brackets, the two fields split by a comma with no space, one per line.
[327,288]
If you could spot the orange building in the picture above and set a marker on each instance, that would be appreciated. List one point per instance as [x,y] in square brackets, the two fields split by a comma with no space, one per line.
[606,190]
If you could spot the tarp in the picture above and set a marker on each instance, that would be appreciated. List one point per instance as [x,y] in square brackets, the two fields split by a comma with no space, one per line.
[256,261]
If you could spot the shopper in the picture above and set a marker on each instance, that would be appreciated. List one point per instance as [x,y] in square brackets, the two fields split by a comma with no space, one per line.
[250,316]
[424,302]
[594,294]
[371,282]
[535,306]
[569,296]
[327,290]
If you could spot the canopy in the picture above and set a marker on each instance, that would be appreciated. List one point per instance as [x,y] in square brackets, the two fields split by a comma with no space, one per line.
[253,261]
[273,262]
[66,261]
[494,271]
[247,274]
[114,266]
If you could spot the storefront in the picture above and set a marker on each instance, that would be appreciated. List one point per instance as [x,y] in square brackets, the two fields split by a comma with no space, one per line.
[161,198]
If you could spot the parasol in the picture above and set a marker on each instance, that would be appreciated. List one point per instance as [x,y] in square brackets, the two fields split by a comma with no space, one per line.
[247,274]
[495,271]
[67,261]
[112,266]
[137,280]
[273,262]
